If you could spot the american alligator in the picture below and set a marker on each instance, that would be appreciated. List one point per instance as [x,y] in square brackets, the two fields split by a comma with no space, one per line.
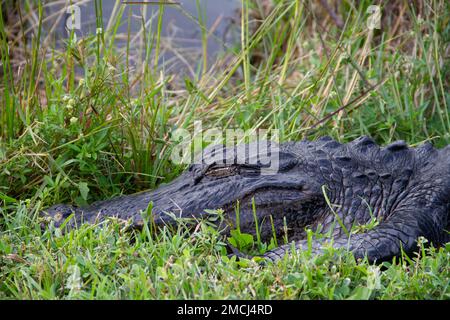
[320,184]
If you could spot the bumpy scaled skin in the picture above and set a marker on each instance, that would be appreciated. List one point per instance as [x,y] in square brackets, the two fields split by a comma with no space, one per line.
[407,190]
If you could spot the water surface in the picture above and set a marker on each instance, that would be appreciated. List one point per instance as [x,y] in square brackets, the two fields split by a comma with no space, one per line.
[181,41]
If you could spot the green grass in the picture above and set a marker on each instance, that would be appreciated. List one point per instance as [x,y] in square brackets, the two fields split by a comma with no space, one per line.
[108,263]
[66,138]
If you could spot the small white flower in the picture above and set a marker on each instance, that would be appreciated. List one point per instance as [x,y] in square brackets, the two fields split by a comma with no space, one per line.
[333,269]
[73,120]
[111,68]
[373,278]
[347,282]
[74,279]
[421,241]
[420,21]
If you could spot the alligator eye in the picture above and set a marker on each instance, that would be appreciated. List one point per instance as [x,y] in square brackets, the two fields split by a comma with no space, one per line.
[221,172]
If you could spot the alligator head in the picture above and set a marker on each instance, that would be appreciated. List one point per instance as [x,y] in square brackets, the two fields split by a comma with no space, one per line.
[244,178]
[297,185]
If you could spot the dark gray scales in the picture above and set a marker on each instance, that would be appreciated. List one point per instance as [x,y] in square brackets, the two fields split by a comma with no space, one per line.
[406,189]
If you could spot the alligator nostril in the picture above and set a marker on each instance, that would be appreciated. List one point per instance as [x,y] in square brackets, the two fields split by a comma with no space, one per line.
[371,173]
[197,179]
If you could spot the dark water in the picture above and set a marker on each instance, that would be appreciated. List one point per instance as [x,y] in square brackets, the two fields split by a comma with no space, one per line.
[181,42]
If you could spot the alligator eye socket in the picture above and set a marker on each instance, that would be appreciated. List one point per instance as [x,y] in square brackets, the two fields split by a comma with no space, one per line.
[228,171]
